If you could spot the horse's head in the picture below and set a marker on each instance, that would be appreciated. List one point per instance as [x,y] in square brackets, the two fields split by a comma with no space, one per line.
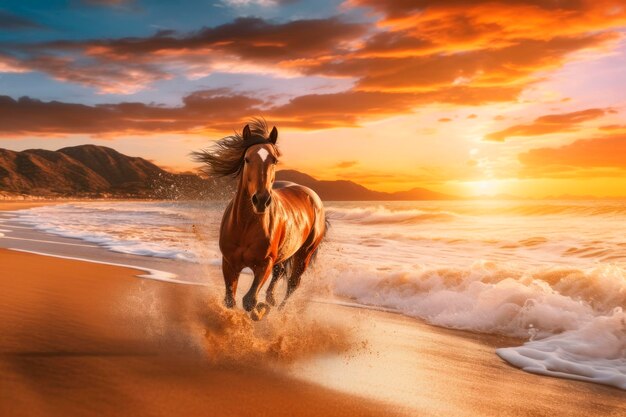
[259,169]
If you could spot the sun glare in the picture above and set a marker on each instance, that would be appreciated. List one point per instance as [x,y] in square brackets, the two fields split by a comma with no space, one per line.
[483,187]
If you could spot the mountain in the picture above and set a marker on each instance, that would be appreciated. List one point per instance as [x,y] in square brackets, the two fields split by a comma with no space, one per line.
[98,171]
[343,190]
[94,171]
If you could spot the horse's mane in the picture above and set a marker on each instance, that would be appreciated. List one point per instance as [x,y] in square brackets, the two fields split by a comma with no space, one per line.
[225,157]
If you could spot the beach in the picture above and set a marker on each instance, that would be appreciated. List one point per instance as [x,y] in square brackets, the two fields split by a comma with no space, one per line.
[85,338]
[68,349]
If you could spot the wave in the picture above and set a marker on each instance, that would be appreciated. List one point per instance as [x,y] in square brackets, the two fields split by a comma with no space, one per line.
[594,353]
[583,208]
[403,213]
[383,215]
[139,229]
[550,307]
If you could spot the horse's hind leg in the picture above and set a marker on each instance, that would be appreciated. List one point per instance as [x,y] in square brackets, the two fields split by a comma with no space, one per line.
[301,261]
[294,280]
[277,273]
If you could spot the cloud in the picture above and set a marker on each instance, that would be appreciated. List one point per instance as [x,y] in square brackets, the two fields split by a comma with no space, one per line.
[613,128]
[346,164]
[515,64]
[462,24]
[552,123]
[263,3]
[128,65]
[219,109]
[350,108]
[115,77]
[417,53]
[9,64]
[577,158]
[245,37]
[10,21]
[114,3]
[201,111]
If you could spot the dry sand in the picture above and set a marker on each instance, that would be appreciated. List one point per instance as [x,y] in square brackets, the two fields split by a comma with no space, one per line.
[71,347]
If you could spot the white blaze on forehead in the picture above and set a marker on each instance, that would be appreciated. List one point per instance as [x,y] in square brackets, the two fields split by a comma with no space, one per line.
[263,153]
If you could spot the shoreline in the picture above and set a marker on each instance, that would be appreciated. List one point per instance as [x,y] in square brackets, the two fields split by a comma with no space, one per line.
[431,369]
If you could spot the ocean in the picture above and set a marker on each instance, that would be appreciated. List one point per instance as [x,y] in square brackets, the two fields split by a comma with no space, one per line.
[552,273]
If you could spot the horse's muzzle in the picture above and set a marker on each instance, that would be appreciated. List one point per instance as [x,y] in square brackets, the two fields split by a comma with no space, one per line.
[260,202]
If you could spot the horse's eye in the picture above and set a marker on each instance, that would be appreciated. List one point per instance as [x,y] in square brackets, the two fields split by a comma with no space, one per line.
[246,160]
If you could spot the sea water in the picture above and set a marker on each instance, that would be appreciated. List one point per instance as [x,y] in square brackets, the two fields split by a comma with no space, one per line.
[551,272]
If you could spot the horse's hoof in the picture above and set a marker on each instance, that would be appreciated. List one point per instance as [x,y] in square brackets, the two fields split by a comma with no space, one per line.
[229,302]
[249,303]
[259,311]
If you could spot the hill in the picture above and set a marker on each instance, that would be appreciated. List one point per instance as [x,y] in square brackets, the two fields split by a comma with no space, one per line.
[99,171]
[343,190]
[93,171]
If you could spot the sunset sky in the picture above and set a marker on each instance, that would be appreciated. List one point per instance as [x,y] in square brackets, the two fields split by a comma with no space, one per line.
[526,98]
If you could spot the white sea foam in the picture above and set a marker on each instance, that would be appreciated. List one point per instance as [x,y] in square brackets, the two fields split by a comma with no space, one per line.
[595,352]
[150,273]
[147,229]
[383,215]
[573,318]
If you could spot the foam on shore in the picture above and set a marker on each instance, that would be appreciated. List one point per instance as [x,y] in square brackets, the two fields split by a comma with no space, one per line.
[150,273]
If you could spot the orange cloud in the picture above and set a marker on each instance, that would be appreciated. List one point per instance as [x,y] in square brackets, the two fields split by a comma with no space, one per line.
[552,123]
[515,64]
[613,128]
[318,111]
[346,164]
[420,52]
[459,24]
[598,153]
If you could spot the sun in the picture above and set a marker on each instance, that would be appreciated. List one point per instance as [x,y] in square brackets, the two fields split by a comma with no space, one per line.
[483,187]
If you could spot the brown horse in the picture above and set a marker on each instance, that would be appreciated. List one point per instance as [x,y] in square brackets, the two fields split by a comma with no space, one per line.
[272,227]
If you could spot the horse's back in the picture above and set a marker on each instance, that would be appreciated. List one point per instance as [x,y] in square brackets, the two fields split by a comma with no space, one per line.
[300,201]
[296,193]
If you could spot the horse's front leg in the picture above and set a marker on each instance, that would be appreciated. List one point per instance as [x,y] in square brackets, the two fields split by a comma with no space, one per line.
[261,273]
[231,278]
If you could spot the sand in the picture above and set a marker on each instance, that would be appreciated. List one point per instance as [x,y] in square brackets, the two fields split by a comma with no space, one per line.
[83,339]
[69,347]
[10,205]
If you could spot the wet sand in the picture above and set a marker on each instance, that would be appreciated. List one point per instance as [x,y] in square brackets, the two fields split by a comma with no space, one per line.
[8,205]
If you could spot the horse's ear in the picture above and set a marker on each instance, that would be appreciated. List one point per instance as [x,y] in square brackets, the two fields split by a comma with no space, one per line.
[247,135]
[274,135]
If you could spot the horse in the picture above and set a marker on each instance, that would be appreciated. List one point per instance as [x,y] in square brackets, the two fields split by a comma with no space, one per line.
[272,227]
